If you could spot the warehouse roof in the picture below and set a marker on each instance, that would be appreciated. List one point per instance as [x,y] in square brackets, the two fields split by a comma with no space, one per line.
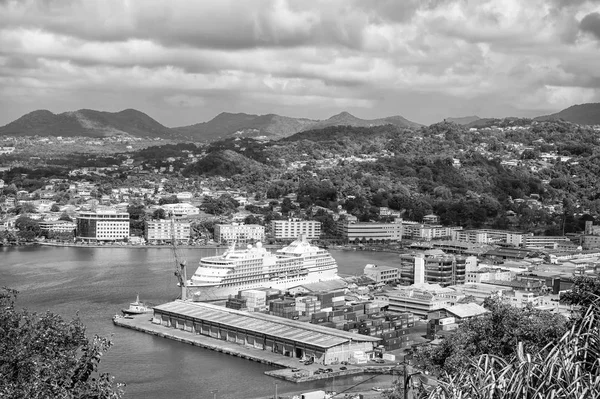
[310,334]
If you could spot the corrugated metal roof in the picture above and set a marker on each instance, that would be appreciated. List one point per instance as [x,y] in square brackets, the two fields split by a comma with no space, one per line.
[292,330]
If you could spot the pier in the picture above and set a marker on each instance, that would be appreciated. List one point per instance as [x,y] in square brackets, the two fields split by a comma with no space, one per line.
[288,368]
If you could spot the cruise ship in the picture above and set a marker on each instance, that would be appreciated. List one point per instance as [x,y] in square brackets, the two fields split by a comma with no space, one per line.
[255,267]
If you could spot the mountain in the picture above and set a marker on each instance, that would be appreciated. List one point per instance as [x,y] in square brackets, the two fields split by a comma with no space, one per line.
[274,126]
[347,119]
[582,114]
[465,120]
[227,124]
[87,123]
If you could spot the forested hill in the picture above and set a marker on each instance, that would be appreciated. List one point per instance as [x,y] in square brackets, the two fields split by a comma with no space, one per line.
[584,114]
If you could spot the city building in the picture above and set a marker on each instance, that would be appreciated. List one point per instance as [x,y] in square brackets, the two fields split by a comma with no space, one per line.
[427,232]
[543,241]
[434,267]
[292,228]
[488,274]
[382,274]
[488,236]
[240,233]
[420,299]
[57,226]
[102,225]
[370,231]
[166,231]
[181,209]
[287,337]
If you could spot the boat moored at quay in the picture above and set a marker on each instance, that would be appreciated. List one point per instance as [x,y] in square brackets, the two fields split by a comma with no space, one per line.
[255,267]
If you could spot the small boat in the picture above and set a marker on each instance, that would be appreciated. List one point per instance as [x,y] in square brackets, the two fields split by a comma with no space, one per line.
[136,307]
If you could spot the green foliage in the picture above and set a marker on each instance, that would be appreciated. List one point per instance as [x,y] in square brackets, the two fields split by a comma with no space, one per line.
[223,205]
[159,214]
[584,292]
[43,356]
[28,228]
[496,333]
[567,368]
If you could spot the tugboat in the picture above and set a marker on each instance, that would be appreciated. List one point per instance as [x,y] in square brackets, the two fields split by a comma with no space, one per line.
[136,307]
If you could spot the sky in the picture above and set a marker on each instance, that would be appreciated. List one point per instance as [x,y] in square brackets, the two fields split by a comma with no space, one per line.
[184,62]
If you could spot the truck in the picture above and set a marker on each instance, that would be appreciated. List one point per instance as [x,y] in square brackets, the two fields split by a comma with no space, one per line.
[314,395]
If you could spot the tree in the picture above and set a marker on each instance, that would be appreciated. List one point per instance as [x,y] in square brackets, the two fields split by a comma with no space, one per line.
[28,228]
[251,219]
[65,216]
[55,208]
[496,333]
[584,292]
[159,214]
[43,356]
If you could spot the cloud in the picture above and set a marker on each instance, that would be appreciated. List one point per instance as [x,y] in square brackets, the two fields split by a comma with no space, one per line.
[591,24]
[304,58]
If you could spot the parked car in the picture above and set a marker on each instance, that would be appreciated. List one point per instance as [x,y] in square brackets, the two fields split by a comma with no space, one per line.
[329,370]
[378,389]
[379,360]
[295,370]
[343,368]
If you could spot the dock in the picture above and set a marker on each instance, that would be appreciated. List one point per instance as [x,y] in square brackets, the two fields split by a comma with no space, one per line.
[288,368]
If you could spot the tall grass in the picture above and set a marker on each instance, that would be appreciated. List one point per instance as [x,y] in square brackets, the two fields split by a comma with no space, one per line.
[567,369]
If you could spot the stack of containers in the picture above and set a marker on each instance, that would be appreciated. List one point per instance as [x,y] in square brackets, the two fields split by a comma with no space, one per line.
[256,300]
[236,303]
[284,308]
[308,305]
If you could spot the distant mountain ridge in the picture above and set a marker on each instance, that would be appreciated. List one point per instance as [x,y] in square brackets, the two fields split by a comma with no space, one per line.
[464,120]
[582,114]
[275,127]
[87,123]
[130,122]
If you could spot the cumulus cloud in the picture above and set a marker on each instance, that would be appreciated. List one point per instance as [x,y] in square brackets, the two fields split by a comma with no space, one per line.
[420,59]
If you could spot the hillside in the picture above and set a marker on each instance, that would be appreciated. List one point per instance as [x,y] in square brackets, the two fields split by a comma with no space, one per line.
[274,126]
[227,124]
[347,119]
[582,114]
[224,163]
[464,120]
[86,123]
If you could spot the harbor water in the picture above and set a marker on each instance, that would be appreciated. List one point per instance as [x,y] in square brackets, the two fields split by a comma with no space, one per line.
[95,283]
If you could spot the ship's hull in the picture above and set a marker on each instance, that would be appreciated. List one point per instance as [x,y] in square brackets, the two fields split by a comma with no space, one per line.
[220,292]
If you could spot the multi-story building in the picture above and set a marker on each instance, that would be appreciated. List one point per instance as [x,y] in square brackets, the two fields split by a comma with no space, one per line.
[57,226]
[382,274]
[166,231]
[487,274]
[419,301]
[291,229]
[434,267]
[427,232]
[543,241]
[370,231]
[102,225]
[181,209]
[487,236]
[240,233]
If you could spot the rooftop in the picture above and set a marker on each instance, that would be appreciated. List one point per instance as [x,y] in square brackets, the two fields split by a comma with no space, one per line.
[310,334]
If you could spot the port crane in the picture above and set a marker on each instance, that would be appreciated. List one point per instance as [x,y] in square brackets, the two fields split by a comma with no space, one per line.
[180,271]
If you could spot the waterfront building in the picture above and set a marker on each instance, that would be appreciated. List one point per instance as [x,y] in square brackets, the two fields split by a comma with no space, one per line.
[427,232]
[370,231]
[434,267]
[181,209]
[292,228]
[102,225]
[489,236]
[270,333]
[488,274]
[57,226]
[166,231]
[382,274]
[240,233]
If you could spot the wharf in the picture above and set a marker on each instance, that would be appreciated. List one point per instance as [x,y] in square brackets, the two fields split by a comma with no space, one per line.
[300,373]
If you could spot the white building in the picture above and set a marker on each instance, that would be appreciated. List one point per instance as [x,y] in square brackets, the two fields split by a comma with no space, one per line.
[365,231]
[184,196]
[103,225]
[291,229]
[166,230]
[240,233]
[181,209]
[382,274]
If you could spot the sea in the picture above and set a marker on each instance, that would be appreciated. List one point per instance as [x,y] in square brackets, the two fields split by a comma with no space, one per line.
[95,283]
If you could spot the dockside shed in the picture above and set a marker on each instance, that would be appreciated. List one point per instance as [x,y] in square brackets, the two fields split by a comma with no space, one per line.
[262,331]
